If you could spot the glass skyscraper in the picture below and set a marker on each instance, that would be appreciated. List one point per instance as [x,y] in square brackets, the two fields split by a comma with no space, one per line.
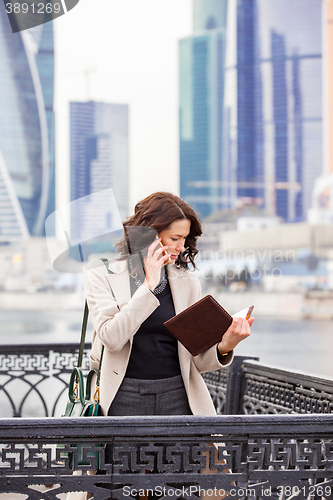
[251,106]
[279,103]
[27,178]
[201,91]
[99,156]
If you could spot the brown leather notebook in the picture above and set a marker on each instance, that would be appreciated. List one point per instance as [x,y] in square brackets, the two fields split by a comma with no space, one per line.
[201,325]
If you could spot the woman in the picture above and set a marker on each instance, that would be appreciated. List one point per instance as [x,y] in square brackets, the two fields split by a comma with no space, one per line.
[144,370]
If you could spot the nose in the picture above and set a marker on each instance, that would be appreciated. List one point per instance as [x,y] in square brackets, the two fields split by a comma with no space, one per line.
[181,247]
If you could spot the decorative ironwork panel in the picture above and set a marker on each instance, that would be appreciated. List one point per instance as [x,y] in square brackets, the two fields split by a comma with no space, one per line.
[226,386]
[217,383]
[34,381]
[278,457]
[272,390]
[34,378]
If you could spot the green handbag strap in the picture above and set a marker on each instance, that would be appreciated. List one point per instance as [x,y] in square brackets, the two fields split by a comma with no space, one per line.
[84,329]
[83,338]
[76,392]
[76,386]
[83,333]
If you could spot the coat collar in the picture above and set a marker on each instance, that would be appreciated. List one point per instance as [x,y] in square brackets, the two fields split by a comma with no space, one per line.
[119,280]
[120,266]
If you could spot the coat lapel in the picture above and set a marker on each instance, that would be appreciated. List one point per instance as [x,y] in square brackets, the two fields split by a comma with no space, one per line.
[119,281]
[179,287]
[180,293]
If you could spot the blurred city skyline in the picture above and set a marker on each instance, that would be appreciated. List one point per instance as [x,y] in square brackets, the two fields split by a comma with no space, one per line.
[153,80]
[124,53]
[251,107]
[224,104]
[145,72]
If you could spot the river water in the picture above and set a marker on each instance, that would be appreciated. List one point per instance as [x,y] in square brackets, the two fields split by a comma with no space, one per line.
[303,345]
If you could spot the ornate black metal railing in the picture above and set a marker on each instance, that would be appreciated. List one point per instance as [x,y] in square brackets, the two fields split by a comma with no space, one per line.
[34,378]
[243,455]
[34,381]
[250,388]
[256,457]
[268,389]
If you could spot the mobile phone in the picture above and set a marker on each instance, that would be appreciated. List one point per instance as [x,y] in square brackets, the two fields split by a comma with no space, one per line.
[164,252]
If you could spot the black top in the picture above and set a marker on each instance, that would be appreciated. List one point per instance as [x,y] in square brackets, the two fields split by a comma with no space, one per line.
[154,352]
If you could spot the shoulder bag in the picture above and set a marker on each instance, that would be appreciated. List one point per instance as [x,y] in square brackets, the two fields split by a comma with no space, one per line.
[79,403]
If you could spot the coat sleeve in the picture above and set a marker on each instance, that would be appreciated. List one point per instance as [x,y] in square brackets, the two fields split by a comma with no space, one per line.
[208,360]
[114,326]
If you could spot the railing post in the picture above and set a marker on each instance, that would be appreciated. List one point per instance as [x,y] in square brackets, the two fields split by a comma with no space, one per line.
[236,386]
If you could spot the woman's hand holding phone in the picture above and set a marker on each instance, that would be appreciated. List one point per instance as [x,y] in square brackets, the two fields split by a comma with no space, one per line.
[156,258]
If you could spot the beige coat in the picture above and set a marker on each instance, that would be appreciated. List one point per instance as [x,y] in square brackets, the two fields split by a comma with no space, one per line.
[117,316]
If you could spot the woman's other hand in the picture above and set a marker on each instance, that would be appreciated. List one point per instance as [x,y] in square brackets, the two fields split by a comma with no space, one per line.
[239,330]
[154,261]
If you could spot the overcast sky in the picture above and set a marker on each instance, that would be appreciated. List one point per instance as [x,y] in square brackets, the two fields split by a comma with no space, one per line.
[132,48]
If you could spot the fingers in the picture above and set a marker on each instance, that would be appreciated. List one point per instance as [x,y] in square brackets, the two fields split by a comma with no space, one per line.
[239,330]
[153,262]
[250,321]
[157,255]
[241,326]
[153,246]
[155,249]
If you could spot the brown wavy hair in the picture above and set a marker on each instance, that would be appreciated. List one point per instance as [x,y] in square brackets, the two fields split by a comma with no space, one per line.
[157,212]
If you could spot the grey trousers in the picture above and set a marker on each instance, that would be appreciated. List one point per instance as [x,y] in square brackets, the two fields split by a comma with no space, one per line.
[136,397]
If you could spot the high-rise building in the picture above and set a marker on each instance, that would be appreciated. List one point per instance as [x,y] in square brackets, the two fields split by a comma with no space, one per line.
[201,91]
[276,109]
[265,146]
[98,157]
[27,177]
[321,211]
[328,85]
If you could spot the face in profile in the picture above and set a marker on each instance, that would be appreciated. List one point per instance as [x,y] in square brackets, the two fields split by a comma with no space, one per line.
[174,236]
